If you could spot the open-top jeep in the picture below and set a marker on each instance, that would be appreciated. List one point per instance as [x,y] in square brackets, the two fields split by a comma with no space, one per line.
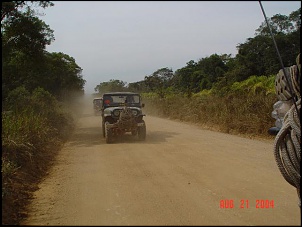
[122,113]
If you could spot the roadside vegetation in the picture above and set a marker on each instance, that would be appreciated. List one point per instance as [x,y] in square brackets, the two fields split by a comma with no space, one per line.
[41,92]
[34,128]
[244,110]
[233,94]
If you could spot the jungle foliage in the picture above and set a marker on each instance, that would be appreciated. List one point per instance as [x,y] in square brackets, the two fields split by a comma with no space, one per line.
[256,57]
[25,62]
[234,93]
[38,89]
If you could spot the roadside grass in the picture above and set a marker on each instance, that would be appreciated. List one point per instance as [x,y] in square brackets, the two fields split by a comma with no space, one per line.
[240,108]
[248,115]
[32,134]
[36,126]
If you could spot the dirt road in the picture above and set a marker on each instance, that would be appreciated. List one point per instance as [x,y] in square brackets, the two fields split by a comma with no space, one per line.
[180,175]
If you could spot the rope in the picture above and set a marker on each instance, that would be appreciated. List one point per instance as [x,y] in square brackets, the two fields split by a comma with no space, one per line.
[287,148]
[287,145]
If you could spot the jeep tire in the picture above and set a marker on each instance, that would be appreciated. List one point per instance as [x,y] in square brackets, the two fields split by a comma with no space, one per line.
[142,131]
[103,129]
[108,133]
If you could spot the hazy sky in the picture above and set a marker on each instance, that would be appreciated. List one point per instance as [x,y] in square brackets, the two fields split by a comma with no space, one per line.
[128,40]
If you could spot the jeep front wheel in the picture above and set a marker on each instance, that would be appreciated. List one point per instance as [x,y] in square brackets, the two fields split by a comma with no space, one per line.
[103,129]
[142,131]
[108,133]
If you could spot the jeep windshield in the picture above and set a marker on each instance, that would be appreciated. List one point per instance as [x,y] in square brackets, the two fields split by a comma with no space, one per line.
[121,99]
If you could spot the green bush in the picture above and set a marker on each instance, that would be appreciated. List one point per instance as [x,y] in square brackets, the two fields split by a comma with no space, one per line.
[244,109]
[34,126]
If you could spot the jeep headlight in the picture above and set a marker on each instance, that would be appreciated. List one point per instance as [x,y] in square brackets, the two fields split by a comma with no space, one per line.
[135,112]
[116,113]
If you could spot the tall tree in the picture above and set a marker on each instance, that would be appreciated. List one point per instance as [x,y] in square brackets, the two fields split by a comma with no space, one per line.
[212,66]
[257,56]
[182,79]
[24,38]
[24,59]
[159,81]
[281,24]
[111,86]
[62,76]
[139,86]
[13,9]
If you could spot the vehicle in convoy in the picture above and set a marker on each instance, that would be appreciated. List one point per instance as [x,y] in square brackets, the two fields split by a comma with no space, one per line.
[122,113]
[97,106]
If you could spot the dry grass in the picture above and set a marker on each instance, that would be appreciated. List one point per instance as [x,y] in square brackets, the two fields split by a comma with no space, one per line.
[246,115]
[30,142]
[28,152]
[29,146]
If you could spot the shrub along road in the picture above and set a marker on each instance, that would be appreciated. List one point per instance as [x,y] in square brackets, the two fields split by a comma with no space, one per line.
[181,175]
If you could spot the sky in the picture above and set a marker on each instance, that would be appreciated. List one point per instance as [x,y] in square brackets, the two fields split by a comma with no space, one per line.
[128,40]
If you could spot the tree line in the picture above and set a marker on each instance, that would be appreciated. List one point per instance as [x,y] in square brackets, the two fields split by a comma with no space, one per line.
[37,115]
[257,56]
[25,61]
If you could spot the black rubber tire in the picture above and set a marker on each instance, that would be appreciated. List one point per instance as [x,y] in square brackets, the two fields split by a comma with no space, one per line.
[103,129]
[134,132]
[108,134]
[142,131]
